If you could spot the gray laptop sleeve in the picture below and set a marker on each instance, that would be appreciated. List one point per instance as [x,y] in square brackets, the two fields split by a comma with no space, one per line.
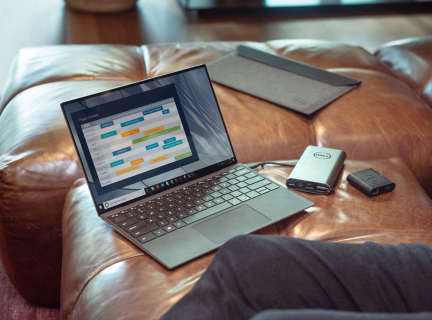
[285,82]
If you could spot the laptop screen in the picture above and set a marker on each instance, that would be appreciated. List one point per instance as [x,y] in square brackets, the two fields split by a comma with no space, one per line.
[140,139]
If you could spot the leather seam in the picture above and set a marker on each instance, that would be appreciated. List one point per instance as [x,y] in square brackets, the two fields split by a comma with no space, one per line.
[143,63]
[37,84]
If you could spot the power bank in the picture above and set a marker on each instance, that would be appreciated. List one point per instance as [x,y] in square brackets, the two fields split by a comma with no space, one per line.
[317,170]
[370,182]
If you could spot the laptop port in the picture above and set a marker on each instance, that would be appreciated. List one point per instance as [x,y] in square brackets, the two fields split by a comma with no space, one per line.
[375,192]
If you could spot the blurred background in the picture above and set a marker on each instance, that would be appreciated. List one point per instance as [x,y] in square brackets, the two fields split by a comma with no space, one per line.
[367,23]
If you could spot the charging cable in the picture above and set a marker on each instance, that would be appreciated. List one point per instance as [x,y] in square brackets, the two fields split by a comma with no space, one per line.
[262,164]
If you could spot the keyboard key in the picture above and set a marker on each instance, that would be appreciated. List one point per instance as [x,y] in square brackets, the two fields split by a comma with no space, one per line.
[264,191]
[128,222]
[239,168]
[227,197]
[181,215]
[241,172]
[224,184]
[170,212]
[244,198]
[169,228]
[189,205]
[179,224]
[160,216]
[179,208]
[190,198]
[141,217]
[252,194]
[149,228]
[159,232]
[234,201]
[236,193]
[140,211]
[159,203]
[259,184]
[200,207]
[254,180]
[161,209]
[244,190]
[191,211]
[169,200]
[119,219]
[199,195]
[225,191]
[147,237]
[207,198]
[233,188]
[216,188]
[150,206]
[162,223]
[250,175]
[171,205]
[151,213]
[223,179]
[208,212]
[209,204]
[150,220]
[198,201]
[207,191]
[218,200]
[172,219]
[112,217]
[272,186]
[242,184]
[233,181]
[216,194]
[130,214]
[137,233]
[180,201]
[231,176]
[135,226]
[241,178]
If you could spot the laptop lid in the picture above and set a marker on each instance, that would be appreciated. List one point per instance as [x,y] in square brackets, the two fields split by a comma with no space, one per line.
[143,138]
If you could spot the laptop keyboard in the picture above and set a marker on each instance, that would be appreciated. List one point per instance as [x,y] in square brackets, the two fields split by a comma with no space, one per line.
[155,218]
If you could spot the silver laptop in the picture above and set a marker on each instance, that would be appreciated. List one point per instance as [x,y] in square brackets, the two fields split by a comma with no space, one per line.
[162,171]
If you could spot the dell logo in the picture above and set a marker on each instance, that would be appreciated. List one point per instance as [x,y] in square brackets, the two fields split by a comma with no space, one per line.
[371,178]
[322,155]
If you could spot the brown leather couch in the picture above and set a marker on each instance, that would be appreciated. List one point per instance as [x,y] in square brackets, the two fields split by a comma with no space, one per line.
[388,116]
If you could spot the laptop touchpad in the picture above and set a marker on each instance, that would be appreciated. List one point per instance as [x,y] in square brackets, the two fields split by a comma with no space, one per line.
[232,223]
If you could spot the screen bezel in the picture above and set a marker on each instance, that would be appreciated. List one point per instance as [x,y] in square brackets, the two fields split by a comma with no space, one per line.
[198,174]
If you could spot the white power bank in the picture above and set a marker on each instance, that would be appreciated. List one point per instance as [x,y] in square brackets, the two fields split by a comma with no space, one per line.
[317,170]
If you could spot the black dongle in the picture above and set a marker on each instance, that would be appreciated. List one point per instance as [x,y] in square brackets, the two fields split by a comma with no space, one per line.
[370,182]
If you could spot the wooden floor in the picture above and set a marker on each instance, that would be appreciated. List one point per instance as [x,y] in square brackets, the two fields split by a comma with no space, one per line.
[27,23]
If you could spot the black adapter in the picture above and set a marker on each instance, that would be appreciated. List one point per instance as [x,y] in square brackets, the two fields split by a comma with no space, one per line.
[370,182]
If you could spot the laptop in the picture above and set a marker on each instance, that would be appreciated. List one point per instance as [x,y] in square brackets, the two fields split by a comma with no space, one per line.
[162,171]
